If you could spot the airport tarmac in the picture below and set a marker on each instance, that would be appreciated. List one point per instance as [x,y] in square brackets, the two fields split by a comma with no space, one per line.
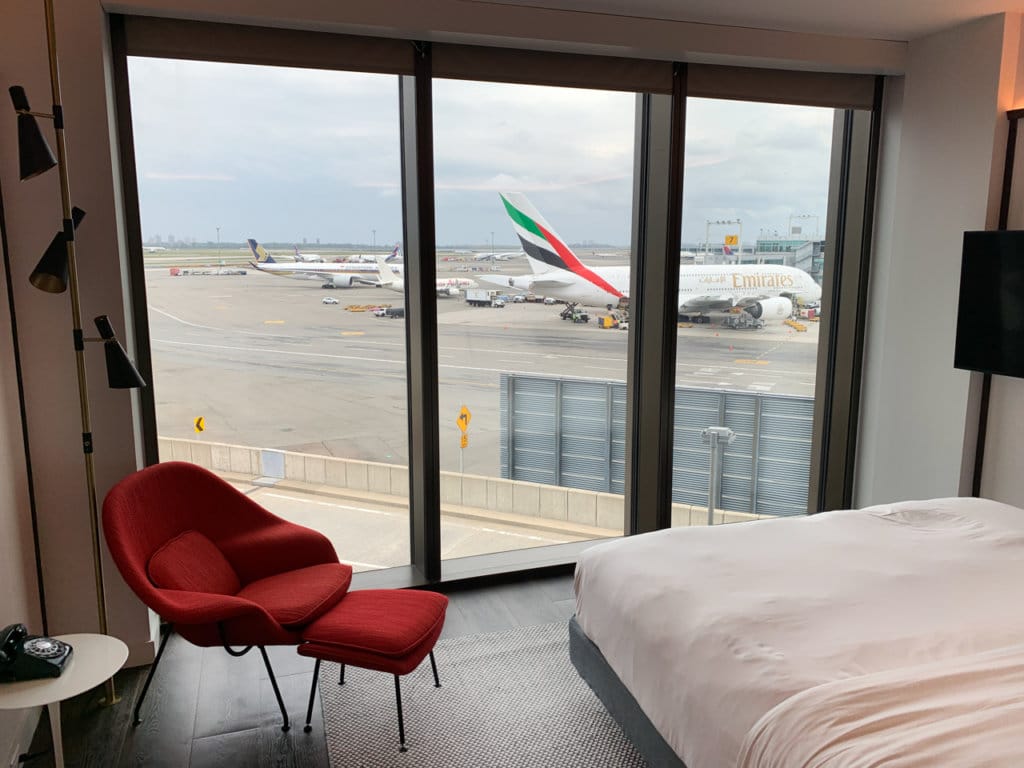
[266,363]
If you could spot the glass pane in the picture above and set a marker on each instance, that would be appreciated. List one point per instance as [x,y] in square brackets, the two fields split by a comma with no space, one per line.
[533,208]
[754,212]
[267,195]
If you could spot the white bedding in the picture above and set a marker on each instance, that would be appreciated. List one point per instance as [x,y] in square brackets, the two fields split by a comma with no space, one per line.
[710,628]
[965,711]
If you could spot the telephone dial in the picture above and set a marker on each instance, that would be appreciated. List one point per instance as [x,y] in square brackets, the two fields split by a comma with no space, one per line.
[29,657]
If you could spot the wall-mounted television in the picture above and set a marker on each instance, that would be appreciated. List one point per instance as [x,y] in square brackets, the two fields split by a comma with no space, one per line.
[990,318]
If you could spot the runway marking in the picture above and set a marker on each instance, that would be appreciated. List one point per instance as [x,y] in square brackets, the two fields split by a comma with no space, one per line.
[273,322]
[183,322]
[761,387]
[353,333]
[752,362]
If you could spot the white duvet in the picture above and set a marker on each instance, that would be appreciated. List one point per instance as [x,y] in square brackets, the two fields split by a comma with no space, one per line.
[710,628]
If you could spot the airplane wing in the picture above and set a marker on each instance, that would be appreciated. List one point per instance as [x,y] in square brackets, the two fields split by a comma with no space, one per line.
[551,280]
[708,302]
[718,302]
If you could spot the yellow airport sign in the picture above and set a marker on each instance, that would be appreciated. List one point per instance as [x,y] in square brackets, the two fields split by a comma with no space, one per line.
[464,441]
[463,419]
[732,240]
[199,424]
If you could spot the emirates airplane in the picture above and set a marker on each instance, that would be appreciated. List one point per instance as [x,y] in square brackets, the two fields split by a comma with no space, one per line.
[765,291]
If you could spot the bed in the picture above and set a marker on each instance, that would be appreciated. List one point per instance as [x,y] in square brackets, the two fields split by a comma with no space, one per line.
[891,631]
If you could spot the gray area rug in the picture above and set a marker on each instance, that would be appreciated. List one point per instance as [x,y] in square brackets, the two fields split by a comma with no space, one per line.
[507,700]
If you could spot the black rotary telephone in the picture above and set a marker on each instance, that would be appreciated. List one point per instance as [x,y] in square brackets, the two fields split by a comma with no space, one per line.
[28,657]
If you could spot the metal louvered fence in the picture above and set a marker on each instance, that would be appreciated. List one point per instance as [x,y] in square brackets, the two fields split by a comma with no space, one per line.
[571,432]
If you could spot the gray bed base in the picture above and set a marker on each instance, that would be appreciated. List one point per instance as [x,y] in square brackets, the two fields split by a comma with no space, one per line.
[592,666]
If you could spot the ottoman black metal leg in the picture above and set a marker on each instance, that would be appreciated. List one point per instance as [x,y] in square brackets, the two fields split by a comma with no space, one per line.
[433,666]
[312,695]
[341,677]
[401,723]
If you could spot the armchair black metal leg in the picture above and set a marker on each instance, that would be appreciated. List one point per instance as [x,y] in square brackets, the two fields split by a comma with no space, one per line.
[312,695]
[433,666]
[401,723]
[341,677]
[277,692]
[149,677]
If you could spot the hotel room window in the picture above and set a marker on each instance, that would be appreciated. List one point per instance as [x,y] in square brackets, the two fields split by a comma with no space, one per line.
[272,223]
[533,189]
[753,255]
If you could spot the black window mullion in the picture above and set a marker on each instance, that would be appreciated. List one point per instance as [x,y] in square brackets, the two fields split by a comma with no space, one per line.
[415,97]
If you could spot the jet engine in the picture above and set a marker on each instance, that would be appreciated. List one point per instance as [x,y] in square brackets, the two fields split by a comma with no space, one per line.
[776,308]
[339,281]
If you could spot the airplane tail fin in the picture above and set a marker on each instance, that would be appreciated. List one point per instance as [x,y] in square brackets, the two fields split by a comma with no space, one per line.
[261,256]
[394,255]
[542,244]
[385,276]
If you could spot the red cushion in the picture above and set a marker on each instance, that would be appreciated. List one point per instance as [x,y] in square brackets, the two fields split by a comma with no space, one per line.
[192,562]
[386,629]
[298,597]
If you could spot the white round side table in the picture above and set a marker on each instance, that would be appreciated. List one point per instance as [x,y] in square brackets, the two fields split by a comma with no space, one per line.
[94,660]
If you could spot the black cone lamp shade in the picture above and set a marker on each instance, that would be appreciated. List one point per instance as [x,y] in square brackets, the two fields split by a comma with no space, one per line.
[51,273]
[121,373]
[34,154]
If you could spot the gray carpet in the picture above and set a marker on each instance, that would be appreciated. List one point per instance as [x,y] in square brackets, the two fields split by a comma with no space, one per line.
[507,700]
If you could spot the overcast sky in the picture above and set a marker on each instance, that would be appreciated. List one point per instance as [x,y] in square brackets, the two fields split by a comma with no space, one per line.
[290,155]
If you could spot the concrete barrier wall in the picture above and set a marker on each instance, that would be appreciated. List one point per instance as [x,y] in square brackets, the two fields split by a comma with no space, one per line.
[458,491]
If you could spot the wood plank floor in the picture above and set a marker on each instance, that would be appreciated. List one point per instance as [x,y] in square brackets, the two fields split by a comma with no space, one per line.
[206,709]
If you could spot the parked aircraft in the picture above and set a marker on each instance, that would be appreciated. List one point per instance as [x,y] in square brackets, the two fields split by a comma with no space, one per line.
[390,277]
[311,257]
[765,291]
[503,256]
[330,275]
[371,258]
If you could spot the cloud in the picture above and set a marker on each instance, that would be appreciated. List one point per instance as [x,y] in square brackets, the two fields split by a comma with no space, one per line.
[161,176]
[316,154]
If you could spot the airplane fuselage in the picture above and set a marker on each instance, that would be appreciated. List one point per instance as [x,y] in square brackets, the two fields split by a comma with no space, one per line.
[701,287]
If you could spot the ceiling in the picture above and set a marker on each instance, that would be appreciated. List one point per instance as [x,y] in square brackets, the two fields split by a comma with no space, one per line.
[876,19]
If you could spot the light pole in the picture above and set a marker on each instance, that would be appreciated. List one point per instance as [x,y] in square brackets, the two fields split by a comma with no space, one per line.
[492,245]
[373,234]
[218,241]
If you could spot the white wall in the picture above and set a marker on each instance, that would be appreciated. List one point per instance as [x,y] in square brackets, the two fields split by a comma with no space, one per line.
[34,215]
[19,593]
[940,175]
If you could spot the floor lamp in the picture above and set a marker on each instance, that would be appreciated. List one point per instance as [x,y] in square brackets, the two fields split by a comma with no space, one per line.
[56,272]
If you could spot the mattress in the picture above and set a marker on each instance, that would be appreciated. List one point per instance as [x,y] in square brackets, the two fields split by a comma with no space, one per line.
[710,628]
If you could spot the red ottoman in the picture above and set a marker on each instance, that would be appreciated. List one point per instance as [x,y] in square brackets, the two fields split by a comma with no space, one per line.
[389,630]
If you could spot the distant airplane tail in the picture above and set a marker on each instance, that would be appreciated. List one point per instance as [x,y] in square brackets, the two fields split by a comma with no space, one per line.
[261,256]
[394,255]
[385,276]
[543,246]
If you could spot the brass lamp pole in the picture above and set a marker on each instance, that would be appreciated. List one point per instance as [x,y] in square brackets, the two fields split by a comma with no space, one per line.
[56,272]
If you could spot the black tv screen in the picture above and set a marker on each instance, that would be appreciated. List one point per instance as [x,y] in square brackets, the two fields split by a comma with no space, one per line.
[990,319]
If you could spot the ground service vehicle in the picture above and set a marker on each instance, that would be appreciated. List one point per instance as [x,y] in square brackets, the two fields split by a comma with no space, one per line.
[483,297]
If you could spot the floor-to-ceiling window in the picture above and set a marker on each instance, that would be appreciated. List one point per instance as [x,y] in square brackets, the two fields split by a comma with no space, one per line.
[530,196]
[271,224]
[755,209]
[533,196]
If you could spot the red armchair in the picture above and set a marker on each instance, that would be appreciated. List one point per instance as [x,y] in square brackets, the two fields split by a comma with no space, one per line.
[218,567]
